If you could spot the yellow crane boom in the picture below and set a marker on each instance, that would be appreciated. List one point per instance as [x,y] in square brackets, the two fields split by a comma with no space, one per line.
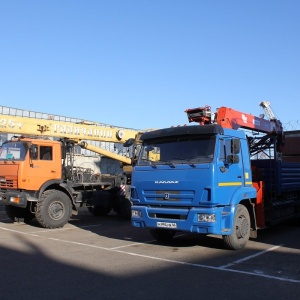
[78,131]
[120,158]
[52,128]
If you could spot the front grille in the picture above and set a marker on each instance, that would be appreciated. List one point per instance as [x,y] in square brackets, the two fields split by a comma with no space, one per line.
[167,195]
[8,183]
[183,196]
[167,216]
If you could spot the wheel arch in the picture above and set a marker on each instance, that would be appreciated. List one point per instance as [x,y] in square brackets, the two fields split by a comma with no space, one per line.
[60,186]
[248,203]
[246,196]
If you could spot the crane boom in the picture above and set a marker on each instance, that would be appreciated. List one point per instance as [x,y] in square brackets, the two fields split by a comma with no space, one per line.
[120,158]
[77,131]
[62,129]
[267,108]
[233,119]
[230,118]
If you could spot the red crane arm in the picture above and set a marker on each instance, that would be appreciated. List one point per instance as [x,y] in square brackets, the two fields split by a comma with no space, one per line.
[233,119]
[230,118]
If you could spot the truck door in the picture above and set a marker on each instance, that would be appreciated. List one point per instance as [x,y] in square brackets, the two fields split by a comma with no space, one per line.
[229,168]
[43,166]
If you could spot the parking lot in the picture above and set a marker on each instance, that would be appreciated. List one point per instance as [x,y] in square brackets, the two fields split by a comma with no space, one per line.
[93,258]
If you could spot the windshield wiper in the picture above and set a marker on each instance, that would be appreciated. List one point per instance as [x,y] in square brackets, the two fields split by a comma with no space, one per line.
[185,159]
[154,164]
[12,159]
[150,162]
[167,162]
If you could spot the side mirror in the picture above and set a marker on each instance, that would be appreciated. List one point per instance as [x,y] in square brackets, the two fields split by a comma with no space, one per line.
[233,159]
[63,151]
[235,146]
[33,152]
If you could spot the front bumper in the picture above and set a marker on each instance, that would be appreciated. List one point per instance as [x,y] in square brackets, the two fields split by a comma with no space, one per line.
[184,219]
[14,198]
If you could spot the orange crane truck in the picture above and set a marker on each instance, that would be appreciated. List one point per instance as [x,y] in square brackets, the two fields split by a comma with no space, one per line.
[39,177]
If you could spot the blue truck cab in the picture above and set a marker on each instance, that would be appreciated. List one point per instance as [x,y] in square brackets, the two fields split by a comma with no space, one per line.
[194,179]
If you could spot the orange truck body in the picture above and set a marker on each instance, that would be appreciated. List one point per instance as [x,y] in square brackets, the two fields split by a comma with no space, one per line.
[38,179]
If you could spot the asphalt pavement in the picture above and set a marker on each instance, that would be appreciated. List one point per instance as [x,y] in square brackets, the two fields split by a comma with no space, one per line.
[107,258]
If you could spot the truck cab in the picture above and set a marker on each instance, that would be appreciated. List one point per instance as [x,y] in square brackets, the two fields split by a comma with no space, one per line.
[28,163]
[194,179]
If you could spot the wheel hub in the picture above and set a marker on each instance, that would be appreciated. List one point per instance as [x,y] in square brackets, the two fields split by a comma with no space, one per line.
[56,210]
[242,227]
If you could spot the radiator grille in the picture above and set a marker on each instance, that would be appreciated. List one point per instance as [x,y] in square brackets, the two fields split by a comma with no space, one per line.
[8,183]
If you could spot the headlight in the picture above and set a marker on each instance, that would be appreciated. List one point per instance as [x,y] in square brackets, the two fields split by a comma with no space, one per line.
[207,218]
[136,213]
[16,200]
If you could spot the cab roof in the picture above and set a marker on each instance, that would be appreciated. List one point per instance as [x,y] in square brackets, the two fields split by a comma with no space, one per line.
[211,129]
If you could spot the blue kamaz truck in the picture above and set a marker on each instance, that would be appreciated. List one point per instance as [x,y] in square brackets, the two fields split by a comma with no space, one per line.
[214,178]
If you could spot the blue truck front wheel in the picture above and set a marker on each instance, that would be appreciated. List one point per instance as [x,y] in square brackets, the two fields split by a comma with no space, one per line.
[241,230]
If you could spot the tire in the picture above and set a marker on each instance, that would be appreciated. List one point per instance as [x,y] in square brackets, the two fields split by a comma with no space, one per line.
[99,211]
[18,214]
[162,235]
[126,208]
[53,209]
[241,230]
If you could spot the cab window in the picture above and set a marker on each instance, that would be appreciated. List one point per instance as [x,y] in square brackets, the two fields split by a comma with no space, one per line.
[45,153]
[225,149]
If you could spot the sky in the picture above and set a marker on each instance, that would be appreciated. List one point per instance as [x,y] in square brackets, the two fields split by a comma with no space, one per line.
[141,63]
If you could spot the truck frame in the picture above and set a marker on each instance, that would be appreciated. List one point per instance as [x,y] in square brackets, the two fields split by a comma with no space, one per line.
[215,178]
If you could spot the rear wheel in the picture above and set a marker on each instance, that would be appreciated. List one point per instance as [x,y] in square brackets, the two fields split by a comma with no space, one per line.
[99,211]
[162,235]
[241,230]
[53,210]
[126,207]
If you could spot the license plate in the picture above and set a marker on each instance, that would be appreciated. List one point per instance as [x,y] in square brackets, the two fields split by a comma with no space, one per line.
[166,225]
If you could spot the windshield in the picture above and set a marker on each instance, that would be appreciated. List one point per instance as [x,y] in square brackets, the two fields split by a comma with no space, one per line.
[13,151]
[178,151]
